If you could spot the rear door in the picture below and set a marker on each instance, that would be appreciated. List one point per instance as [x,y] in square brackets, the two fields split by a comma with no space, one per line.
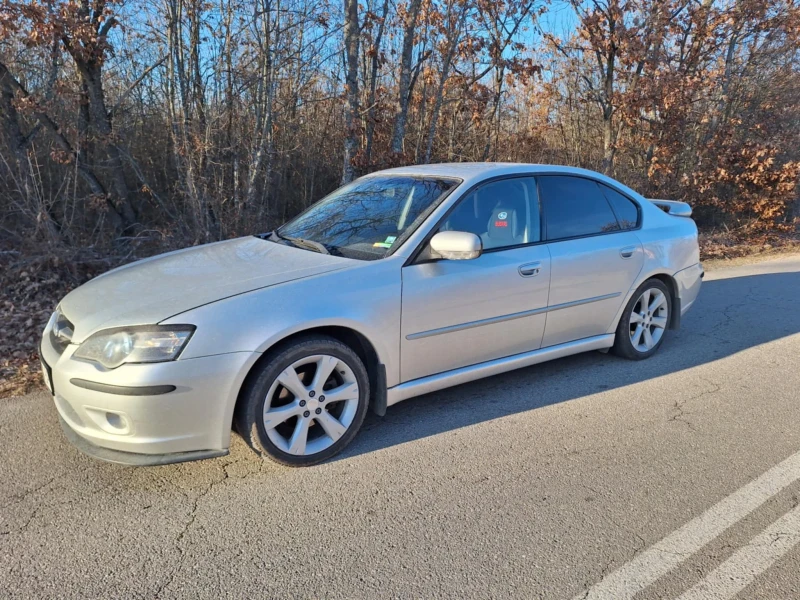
[595,255]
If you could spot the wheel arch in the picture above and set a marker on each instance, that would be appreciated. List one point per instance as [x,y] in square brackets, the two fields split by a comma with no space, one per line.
[355,340]
[672,286]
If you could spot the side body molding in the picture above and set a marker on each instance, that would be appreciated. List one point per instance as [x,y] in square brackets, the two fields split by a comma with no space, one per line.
[447,379]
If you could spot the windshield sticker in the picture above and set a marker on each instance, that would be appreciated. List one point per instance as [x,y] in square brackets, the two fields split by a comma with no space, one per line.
[386,244]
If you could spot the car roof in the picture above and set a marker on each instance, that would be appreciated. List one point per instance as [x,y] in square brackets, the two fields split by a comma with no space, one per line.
[482,170]
[475,172]
[464,169]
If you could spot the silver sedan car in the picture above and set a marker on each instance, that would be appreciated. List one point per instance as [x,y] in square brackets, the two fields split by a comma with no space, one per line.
[401,283]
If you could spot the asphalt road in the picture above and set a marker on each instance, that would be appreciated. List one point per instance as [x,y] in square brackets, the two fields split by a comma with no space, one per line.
[589,476]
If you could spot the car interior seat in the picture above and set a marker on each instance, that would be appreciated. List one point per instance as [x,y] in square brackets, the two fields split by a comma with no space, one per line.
[508,223]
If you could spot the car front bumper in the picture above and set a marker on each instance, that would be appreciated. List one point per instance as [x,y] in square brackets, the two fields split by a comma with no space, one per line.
[146,414]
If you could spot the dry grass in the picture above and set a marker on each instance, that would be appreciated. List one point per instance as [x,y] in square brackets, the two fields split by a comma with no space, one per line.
[30,288]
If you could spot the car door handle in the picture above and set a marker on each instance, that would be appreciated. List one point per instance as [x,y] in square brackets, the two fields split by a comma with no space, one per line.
[530,269]
[627,251]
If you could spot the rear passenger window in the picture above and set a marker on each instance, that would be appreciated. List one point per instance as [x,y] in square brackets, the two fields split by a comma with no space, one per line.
[574,206]
[627,212]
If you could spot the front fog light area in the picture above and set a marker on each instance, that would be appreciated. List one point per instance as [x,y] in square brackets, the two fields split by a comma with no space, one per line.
[114,347]
[113,422]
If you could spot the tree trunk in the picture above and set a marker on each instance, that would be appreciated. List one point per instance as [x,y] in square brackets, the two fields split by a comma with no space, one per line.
[263,149]
[447,61]
[88,56]
[101,120]
[19,143]
[609,134]
[496,99]
[609,143]
[13,86]
[351,35]
[721,114]
[404,85]
[373,83]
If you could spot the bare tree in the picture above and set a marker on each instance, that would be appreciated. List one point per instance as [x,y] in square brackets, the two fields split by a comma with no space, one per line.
[203,119]
[404,86]
[351,134]
[454,19]
[375,54]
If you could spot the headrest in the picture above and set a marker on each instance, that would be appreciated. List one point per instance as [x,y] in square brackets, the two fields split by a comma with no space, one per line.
[503,223]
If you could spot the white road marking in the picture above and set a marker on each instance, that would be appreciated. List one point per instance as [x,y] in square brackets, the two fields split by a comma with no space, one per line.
[760,553]
[663,556]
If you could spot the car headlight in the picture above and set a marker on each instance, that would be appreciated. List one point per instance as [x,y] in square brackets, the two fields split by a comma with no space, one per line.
[148,344]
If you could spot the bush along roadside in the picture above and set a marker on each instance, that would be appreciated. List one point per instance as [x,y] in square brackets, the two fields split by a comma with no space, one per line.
[30,288]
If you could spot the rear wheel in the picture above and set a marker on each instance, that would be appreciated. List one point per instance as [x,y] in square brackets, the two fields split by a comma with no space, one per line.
[644,321]
[307,403]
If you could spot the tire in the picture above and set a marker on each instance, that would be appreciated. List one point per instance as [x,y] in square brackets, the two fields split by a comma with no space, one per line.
[304,428]
[629,342]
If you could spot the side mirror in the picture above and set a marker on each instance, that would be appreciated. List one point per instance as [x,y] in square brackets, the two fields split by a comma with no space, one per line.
[456,245]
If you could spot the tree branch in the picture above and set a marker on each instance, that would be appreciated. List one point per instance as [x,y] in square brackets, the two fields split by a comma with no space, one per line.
[61,141]
[106,27]
[133,86]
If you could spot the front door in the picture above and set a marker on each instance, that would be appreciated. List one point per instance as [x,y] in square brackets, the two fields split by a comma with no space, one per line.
[457,313]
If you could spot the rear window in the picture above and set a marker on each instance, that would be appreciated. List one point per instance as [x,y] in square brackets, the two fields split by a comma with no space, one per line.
[574,207]
[627,212]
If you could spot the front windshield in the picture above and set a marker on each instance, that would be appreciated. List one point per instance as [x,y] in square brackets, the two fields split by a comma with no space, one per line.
[366,218]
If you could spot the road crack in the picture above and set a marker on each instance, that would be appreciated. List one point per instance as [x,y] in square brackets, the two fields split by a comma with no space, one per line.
[21,497]
[680,413]
[728,318]
[190,521]
[37,508]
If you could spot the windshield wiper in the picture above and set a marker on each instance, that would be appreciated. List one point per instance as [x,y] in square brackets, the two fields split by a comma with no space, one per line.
[301,243]
[309,244]
[305,244]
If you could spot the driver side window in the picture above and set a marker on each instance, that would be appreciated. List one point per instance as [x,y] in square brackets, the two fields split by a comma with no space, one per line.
[502,213]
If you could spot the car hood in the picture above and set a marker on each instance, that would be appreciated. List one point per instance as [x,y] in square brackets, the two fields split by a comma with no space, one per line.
[154,289]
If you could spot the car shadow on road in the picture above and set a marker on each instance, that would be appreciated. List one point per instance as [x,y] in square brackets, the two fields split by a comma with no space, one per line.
[731,315]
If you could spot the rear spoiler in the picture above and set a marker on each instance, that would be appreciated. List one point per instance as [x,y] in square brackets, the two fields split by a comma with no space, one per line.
[673,207]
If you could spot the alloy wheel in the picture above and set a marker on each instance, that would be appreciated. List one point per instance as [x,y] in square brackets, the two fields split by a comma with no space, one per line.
[649,319]
[311,404]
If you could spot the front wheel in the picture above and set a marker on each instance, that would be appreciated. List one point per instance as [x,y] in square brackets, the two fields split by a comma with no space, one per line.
[307,402]
[644,321]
